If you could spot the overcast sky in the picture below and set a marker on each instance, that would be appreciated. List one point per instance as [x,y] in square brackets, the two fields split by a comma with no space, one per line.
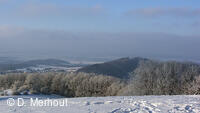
[88,28]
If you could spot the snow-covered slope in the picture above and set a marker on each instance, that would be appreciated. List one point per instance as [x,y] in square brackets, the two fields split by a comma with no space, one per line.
[132,104]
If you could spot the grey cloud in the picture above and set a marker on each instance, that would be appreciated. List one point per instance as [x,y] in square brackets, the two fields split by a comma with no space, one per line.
[62,43]
[196,24]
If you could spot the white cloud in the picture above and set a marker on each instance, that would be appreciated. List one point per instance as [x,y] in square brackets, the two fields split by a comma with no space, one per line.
[9,32]
[4,0]
[32,9]
[158,12]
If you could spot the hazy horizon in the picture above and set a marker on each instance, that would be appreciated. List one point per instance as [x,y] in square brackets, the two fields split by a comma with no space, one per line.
[91,29]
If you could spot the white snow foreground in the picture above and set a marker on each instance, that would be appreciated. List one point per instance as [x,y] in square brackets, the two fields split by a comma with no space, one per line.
[129,104]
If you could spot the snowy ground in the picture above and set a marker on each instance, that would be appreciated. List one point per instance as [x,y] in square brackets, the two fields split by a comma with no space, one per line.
[133,104]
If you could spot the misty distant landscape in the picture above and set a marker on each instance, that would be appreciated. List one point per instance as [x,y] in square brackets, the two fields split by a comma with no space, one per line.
[33,66]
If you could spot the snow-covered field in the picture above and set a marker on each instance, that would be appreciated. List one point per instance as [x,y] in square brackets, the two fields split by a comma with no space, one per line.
[132,104]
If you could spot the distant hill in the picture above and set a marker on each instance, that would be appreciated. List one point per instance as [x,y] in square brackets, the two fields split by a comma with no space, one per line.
[50,62]
[119,68]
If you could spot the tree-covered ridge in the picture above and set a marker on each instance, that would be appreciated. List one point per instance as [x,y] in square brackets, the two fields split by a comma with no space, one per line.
[118,68]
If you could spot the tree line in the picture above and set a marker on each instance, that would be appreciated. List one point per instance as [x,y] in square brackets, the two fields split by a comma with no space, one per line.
[149,78]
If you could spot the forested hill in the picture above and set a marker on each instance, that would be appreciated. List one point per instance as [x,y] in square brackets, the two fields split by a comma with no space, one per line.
[119,68]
